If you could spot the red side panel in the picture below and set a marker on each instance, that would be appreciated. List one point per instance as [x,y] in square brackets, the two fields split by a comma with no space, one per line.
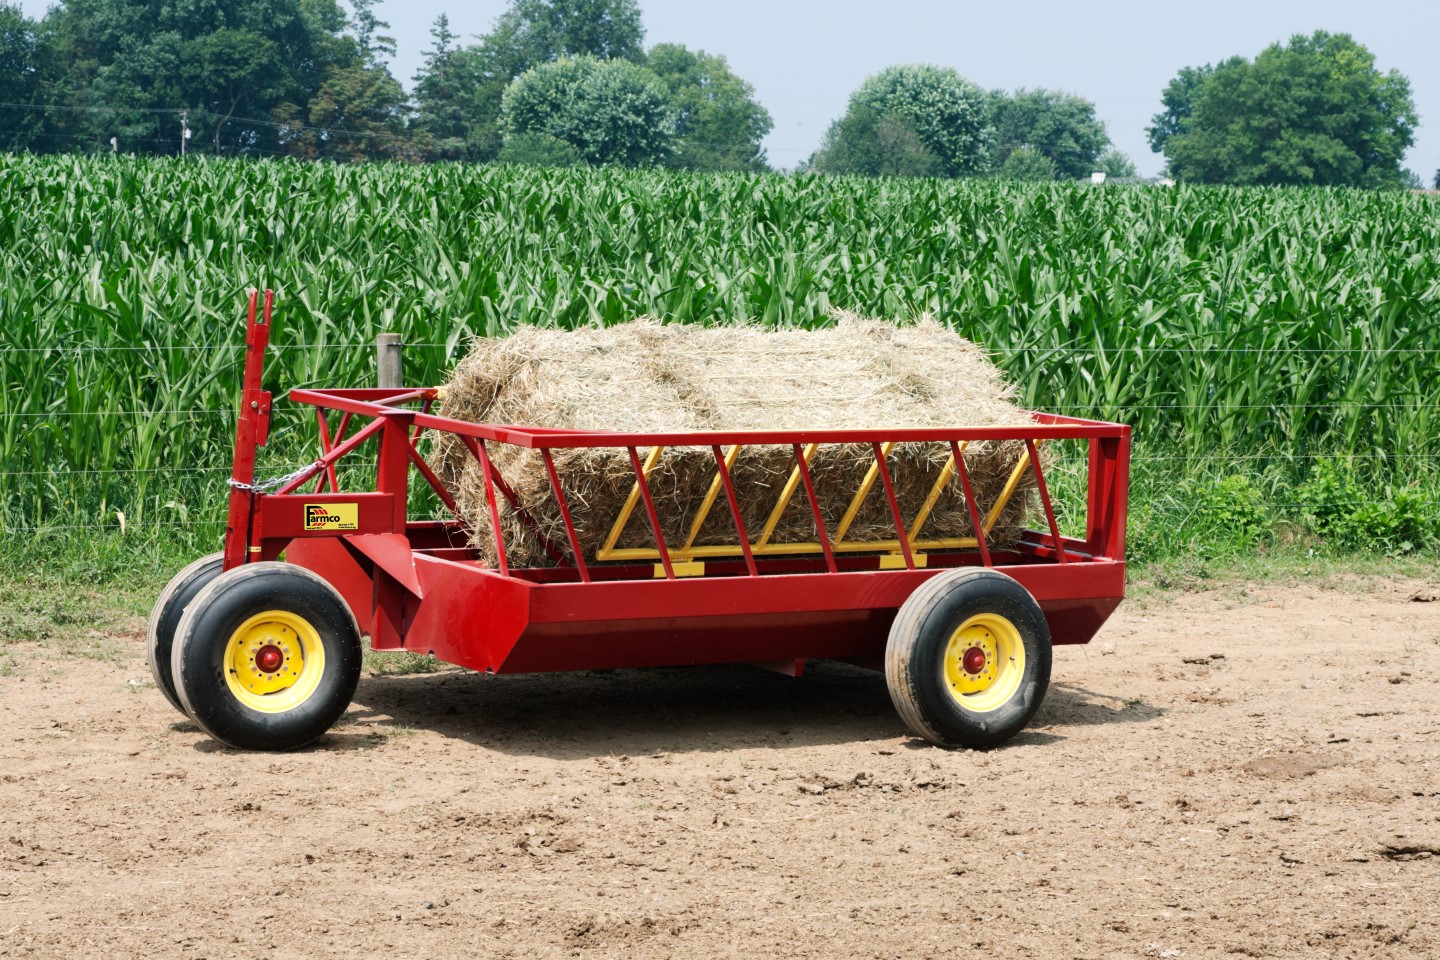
[467,614]
[471,616]
[682,642]
[328,557]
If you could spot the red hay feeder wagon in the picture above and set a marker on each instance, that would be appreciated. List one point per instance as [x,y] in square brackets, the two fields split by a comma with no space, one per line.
[265,655]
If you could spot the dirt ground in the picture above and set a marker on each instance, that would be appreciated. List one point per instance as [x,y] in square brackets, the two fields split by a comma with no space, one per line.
[1228,773]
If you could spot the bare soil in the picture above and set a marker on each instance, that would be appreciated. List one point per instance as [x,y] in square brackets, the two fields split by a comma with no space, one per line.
[1229,773]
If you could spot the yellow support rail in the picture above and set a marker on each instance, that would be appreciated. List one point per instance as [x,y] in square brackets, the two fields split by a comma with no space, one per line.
[762,547]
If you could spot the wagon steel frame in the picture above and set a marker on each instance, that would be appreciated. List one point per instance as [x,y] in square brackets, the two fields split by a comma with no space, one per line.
[419,585]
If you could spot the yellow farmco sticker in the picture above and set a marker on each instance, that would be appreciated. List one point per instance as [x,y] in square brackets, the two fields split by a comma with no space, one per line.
[332,516]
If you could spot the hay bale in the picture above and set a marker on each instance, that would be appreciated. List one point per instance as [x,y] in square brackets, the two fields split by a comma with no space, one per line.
[645,376]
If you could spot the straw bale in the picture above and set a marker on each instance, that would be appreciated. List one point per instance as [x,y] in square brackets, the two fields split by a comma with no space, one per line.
[647,376]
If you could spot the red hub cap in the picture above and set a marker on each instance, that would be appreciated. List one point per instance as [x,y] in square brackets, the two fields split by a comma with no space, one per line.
[269,658]
[973,661]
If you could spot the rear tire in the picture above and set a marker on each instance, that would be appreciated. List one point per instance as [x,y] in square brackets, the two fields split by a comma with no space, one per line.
[968,659]
[266,657]
[165,617]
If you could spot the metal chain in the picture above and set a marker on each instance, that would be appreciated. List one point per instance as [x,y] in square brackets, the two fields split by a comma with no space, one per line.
[275,483]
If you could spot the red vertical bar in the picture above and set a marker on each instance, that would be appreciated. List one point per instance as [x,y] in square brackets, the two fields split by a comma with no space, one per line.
[814,507]
[735,511]
[392,476]
[1120,495]
[252,428]
[565,515]
[1045,499]
[894,506]
[546,544]
[392,472]
[479,450]
[1109,483]
[970,502]
[325,447]
[654,517]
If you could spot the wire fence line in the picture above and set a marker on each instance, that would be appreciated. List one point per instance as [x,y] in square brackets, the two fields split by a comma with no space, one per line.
[59,474]
[272,350]
[114,523]
[198,412]
[1146,350]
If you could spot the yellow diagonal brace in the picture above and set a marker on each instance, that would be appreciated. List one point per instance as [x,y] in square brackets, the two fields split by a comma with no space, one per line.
[946,475]
[1008,492]
[861,494]
[605,551]
[785,494]
[704,512]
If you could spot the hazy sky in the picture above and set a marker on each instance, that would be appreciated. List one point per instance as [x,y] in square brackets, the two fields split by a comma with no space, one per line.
[805,58]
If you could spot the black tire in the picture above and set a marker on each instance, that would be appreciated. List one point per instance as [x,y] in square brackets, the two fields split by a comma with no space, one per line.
[960,708]
[165,617]
[235,620]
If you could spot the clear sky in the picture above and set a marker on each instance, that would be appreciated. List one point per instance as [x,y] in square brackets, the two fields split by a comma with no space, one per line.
[805,58]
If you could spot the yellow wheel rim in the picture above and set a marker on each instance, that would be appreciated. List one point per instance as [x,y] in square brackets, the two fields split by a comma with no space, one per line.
[984,662]
[274,661]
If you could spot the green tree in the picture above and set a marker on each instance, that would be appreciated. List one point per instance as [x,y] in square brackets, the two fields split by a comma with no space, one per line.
[539,150]
[1116,164]
[720,125]
[127,68]
[948,114]
[1179,102]
[538,31]
[1060,126]
[360,111]
[610,111]
[1027,163]
[866,142]
[441,90]
[19,78]
[375,47]
[1314,111]
[461,111]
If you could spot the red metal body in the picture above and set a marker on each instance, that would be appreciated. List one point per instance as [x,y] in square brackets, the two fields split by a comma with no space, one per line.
[420,586]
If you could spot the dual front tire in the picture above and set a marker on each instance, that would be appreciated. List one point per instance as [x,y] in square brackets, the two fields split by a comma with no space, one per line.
[262,657]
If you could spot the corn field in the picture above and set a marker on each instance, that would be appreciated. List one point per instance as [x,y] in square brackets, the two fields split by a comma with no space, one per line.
[1274,325]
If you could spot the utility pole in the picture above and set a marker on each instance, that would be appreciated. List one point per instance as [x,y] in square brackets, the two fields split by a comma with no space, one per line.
[184,130]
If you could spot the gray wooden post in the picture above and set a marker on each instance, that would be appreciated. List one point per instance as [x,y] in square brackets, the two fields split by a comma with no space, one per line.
[388,362]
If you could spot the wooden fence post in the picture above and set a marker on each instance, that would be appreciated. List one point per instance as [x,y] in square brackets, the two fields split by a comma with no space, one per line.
[389,365]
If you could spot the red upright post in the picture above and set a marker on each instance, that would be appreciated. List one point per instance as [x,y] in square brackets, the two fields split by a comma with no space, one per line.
[252,430]
[804,469]
[1109,493]
[970,502]
[1045,500]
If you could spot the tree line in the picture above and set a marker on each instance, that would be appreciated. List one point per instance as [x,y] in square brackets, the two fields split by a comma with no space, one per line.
[563,82]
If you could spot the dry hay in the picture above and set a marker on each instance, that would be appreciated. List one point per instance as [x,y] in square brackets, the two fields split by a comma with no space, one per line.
[644,376]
